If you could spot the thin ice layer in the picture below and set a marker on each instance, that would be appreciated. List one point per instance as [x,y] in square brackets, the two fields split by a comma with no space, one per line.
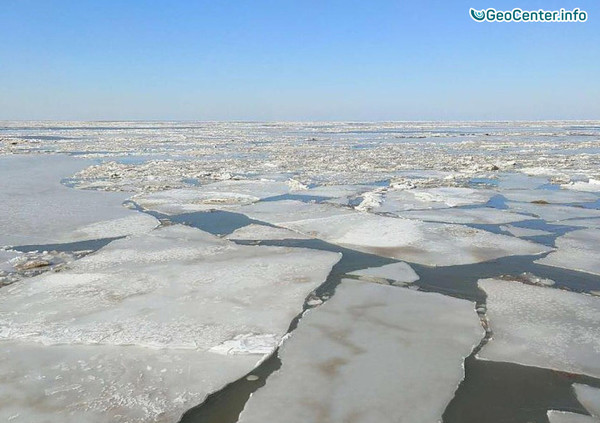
[576,250]
[37,209]
[542,327]
[398,272]
[219,195]
[521,232]
[372,353]
[179,291]
[589,397]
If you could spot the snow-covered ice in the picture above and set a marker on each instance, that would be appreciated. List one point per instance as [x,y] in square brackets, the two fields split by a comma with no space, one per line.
[561,196]
[35,208]
[592,185]
[262,232]
[542,327]
[589,397]
[372,353]
[553,212]
[174,298]
[480,215]
[398,272]
[555,416]
[395,201]
[577,250]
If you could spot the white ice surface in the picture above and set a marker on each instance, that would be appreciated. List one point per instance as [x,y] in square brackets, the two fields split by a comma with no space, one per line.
[588,223]
[395,201]
[553,212]
[5,259]
[576,250]
[35,208]
[556,416]
[589,397]
[372,353]
[434,244]
[399,272]
[542,327]
[176,298]
[551,196]
[482,215]
[262,232]
[524,232]
[219,195]
[592,185]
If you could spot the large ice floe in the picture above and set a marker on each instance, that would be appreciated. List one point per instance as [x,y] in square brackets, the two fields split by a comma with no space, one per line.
[372,353]
[148,326]
[555,416]
[479,215]
[219,195]
[399,200]
[589,397]
[256,232]
[399,273]
[542,327]
[553,212]
[403,239]
[35,208]
[576,250]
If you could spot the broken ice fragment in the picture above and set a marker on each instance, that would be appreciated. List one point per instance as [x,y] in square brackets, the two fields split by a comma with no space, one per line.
[578,250]
[398,272]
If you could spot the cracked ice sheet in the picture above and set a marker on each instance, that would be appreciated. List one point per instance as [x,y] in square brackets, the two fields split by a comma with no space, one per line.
[577,250]
[555,416]
[221,195]
[176,298]
[432,244]
[398,272]
[38,209]
[483,215]
[542,327]
[588,397]
[372,353]
[262,232]
[551,196]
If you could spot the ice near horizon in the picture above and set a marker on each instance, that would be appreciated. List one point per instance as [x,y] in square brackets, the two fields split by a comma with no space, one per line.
[38,209]
[350,358]
[542,327]
[191,302]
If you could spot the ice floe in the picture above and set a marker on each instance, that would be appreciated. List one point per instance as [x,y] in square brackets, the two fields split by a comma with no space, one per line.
[38,209]
[523,232]
[542,327]
[592,185]
[398,272]
[553,212]
[262,232]
[589,397]
[149,325]
[219,195]
[576,250]
[555,416]
[560,196]
[479,215]
[395,201]
[372,353]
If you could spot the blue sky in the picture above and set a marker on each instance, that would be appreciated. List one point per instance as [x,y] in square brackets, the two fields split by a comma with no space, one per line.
[294,60]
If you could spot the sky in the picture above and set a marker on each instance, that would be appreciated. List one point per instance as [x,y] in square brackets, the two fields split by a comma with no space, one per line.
[294,60]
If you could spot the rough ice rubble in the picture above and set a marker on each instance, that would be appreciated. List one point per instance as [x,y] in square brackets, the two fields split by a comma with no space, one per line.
[219,195]
[372,353]
[433,244]
[398,272]
[576,250]
[542,327]
[182,311]
[37,209]
[256,232]
[555,416]
[589,397]
[592,185]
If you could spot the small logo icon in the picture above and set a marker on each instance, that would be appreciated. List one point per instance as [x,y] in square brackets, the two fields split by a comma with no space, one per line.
[478,15]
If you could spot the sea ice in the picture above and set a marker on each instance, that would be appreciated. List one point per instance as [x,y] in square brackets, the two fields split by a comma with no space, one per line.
[219,195]
[593,185]
[524,232]
[589,397]
[561,196]
[576,250]
[395,201]
[480,215]
[553,212]
[148,325]
[372,353]
[542,327]
[555,416]
[399,272]
[35,208]
[262,232]
[588,223]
